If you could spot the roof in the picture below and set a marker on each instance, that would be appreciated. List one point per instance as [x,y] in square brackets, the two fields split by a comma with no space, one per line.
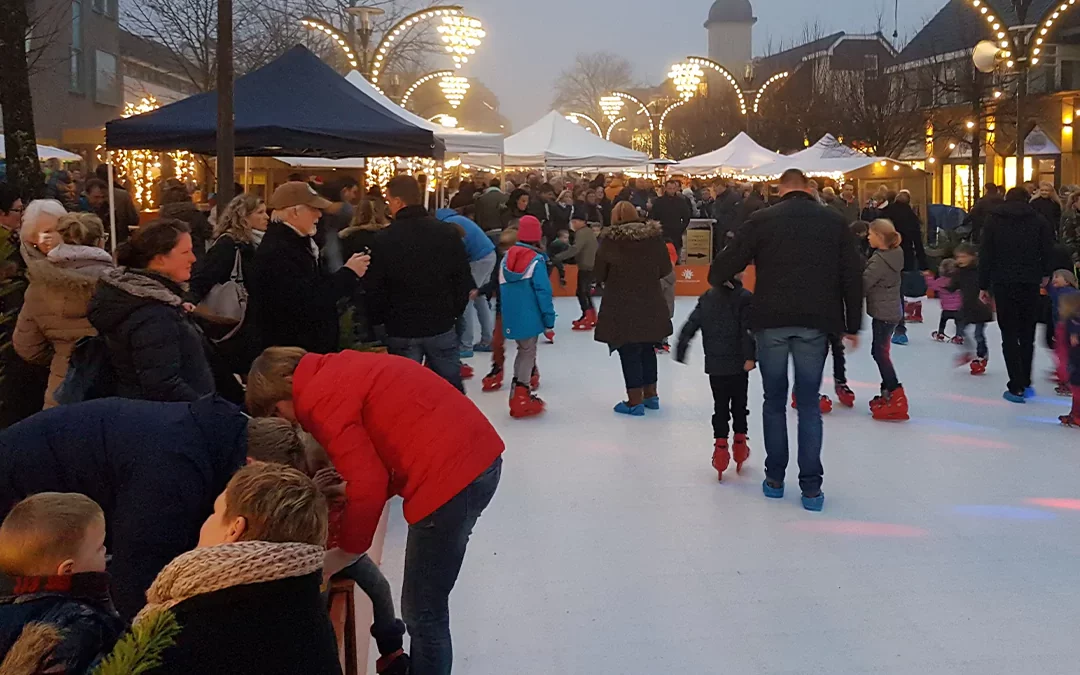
[555,142]
[150,52]
[741,154]
[958,27]
[790,58]
[296,106]
[731,11]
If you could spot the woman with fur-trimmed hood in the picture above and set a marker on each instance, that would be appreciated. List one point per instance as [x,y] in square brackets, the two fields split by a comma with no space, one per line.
[634,318]
[54,314]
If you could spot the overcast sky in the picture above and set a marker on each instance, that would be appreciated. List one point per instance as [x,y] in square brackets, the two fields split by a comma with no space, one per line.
[530,41]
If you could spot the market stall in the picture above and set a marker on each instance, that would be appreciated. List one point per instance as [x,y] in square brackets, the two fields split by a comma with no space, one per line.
[738,157]
[553,142]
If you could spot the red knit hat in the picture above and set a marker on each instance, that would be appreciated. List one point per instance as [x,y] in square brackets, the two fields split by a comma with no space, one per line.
[529,230]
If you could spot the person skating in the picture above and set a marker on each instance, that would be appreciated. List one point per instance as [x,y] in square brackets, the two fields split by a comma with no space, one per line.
[1069,310]
[673,212]
[881,284]
[481,253]
[909,227]
[527,311]
[952,301]
[493,381]
[583,251]
[1062,284]
[973,311]
[723,317]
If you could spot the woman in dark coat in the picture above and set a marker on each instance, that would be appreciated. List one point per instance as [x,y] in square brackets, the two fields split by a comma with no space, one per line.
[1048,204]
[634,318]
[156,350]
[516,207]
[239,229]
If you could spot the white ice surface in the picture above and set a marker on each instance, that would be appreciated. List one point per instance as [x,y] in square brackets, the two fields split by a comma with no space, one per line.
[610,546]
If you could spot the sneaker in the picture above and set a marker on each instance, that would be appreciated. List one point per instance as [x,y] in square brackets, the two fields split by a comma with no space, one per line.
[815,502]
[899,339]
[1014,398]
[652,403]
[772,490]
[624,408]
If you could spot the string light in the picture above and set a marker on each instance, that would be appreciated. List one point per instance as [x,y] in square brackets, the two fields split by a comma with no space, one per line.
[687,78]
[454,89]
[386,46]
[421,82]
[708,63]
[577,117]
[615,122]
[663,118]
[447,121]
[764,87]
[633,99]
[333,34]
[612,106]
[461,35]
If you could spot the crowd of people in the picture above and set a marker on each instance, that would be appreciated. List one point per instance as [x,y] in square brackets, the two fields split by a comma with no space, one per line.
[214,405]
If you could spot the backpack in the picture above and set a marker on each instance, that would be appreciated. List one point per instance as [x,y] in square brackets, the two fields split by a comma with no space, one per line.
[90,373]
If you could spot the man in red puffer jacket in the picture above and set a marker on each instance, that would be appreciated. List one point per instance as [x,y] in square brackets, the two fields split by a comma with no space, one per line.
[393,427]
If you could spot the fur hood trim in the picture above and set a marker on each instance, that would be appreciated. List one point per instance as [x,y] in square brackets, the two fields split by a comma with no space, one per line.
[71,270]
[141,285]
[632,231]
[366,227]
[32,650]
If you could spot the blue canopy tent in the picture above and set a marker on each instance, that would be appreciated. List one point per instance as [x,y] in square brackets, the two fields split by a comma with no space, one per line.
[295,106]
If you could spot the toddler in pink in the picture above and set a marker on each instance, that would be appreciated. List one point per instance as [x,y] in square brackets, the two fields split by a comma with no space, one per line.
[951,301]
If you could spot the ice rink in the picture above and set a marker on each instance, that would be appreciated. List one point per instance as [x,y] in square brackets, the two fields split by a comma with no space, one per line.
[949,544]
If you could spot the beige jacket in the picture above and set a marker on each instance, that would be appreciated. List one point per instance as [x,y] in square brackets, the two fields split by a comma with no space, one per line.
[53,316]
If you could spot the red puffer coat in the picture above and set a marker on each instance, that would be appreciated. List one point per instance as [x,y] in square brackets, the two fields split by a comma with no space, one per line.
[391,427]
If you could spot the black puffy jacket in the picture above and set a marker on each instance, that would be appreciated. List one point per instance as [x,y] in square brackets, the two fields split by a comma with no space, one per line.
[723,317]
[1017,246]
[156,350]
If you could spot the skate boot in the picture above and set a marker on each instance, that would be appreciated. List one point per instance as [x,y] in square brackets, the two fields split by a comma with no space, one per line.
[894,408]
[915,312]
[523,403]
[582,324]
[878,401]
[393,664]
[741,452]
[845,395]
[909,312]
[1070,421]
[590,315]
[958,340]
[824,402]
[467,371]
[1063,389]
[978,366]
[721,459]
[494,379]
[940,337]
[534,381]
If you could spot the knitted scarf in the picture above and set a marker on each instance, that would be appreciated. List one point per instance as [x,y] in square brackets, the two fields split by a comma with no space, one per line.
[206,570]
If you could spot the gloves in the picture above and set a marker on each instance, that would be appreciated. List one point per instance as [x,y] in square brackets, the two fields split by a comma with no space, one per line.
[550,334]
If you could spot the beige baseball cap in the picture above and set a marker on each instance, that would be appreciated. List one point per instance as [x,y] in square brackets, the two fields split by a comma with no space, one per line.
[297,193]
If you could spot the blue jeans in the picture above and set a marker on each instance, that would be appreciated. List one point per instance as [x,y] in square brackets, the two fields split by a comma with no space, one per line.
[478,309]
[881,349]
[807,347]
[439,352]
[638,364]
[981,349]
[385,627]
[434,553]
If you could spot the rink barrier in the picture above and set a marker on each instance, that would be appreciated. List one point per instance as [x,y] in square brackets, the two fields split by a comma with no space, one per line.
[690,280]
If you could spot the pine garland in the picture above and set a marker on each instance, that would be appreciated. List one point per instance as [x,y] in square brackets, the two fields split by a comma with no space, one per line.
[140,650]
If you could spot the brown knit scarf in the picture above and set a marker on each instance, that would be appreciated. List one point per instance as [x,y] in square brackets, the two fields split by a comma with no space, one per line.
[206,570]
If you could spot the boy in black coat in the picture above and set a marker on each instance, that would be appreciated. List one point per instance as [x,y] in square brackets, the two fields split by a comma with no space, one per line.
[723,317]
[973,311]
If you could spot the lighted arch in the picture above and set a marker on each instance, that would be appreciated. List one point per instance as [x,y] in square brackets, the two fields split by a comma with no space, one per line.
[333,34]
[709,63]
[996,26]
[663,118]
[582,116]
[618,121]
[635,100]
[765,87]
[386,46]
[438,74]
[1043,31]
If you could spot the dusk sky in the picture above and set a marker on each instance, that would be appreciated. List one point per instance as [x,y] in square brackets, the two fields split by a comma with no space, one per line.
[529,42]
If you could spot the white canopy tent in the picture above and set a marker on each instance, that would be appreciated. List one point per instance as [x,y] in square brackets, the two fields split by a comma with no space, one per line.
[556,143]
[739,156]
[46,152]
[826,157]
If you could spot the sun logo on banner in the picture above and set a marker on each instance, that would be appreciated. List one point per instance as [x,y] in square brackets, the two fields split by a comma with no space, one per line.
[688,274]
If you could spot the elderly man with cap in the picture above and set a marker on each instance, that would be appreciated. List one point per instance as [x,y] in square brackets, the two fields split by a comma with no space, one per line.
[296,302]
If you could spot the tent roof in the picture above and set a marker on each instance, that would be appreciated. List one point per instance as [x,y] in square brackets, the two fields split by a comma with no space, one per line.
[742,153]
[457,141]
[296,106]
[557,143]
[45,152]
[827,156]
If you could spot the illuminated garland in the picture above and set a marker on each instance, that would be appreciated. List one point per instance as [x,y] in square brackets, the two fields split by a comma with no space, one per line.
[143,167]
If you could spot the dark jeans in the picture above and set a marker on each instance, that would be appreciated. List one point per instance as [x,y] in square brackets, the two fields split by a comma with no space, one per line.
[839,361]
[901,328]
[385,627]
[946,315]
[584,290]
[729,399]
[880,349]
[1018,311]
[806,347]
[638,364]
[981,349]
[434,553]
[439,352]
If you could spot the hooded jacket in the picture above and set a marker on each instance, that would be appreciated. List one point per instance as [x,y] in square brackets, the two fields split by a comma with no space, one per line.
[391,427]
[53,317]
[525,293]
[723,317]
[246,607]
[477,244]
[631,261]
[881,284]
[951,300]
[1017,246]
[155,348]
[154,468]
[965,281]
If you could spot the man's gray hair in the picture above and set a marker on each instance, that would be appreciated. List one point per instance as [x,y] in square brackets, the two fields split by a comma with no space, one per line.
[32,216]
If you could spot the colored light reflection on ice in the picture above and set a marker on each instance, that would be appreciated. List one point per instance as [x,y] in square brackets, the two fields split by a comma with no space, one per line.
[857,528]
[1065,504]
[953,440]
[960,398]
[948,424]
[999,512]
[1053,400]
[1042,420]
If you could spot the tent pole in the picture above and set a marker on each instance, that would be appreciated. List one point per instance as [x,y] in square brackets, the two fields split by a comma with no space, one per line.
[112,203]
[247,173]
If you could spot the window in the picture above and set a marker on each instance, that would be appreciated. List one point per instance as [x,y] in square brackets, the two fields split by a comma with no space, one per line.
[105,80]
[76,48]
[870,66]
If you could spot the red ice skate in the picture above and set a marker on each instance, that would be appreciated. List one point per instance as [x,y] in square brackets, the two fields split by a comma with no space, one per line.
[964,359]
[1070,421]
[741,451]
[523,403]
[824,402]
[940,337]
[846,395]
[494,379]
[721,459]
[467,371]
[913,312]
[978,366]
[958,340]
[587,321]
[893,407]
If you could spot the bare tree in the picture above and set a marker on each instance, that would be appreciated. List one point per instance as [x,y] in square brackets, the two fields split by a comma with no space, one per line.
[23,167]
[592,76]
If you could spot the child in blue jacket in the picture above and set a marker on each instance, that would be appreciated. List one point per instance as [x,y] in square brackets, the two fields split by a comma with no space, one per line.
[527,310]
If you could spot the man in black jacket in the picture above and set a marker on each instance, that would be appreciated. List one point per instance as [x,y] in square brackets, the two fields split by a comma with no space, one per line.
[296,302]
[976,219]
[154,468]
[1014,262]
[725,211]
[672,211]
[419,282]
[809,284]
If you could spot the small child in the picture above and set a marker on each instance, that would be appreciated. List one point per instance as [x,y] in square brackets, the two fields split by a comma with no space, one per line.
[667,285]
[559,244]
[1069,312]
[951,301]
[584,254]
[1062,284]
[527,311]
[881,285]
[55,612]
[973,311]
[723,317]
